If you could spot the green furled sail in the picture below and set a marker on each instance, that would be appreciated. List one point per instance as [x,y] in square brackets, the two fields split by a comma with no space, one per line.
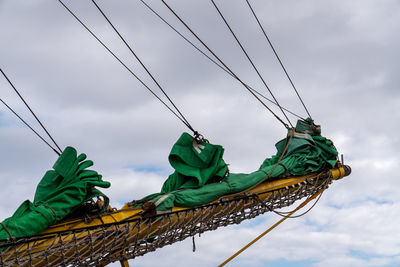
[59,192]
[201,174]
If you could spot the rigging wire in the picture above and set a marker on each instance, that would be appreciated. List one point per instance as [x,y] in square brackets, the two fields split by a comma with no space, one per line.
[141,63]
[235,76]
[124,65]
[181,35]
[209,58]
[278,58]
[285,214]
[272,227]
[250,60]
[33,113]
[19,117]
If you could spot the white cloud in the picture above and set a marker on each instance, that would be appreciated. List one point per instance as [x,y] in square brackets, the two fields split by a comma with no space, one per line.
[341,55]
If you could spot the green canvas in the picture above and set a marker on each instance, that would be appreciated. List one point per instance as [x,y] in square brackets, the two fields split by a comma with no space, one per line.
[200,175]
[194,164]
[57,194]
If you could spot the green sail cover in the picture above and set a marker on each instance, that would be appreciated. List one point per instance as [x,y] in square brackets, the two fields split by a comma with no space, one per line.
[201,175]
[58,193]
[194,164]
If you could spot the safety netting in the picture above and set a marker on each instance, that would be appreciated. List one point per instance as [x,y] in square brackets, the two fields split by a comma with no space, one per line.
[102,244]
[207,194]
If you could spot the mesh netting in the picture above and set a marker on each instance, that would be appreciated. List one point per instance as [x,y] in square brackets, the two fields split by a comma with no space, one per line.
[102,244]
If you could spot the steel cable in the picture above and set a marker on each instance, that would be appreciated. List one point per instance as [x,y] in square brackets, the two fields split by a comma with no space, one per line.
[122,63]
[58,152]
[33,113]
[278,58]
[142,64]
[250,60]
[212,52]
[30,127]
[209,58]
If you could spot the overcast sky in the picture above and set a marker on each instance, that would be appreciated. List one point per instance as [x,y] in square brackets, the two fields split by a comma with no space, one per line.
[342,55]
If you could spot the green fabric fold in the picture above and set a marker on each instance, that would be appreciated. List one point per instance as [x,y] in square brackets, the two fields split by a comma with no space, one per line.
[195,164]
[201,174]
[59,192]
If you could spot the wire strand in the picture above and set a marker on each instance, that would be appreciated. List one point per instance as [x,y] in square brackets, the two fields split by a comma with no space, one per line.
[235,76]
[122,63]
[19,117]
[250,60]
[142,64]
[33,113]
[210,59]
[278,58]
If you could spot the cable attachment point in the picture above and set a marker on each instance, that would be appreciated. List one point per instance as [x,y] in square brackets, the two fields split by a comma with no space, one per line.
[291,132]
[199,138]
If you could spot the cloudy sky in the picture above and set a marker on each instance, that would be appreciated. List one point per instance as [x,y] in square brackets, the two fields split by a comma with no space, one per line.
[342,55]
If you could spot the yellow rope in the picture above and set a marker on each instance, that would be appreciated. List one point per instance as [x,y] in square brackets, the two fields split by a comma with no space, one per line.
[124,263]
[272,227]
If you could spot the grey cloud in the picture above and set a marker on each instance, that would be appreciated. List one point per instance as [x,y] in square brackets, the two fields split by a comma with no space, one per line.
[342,56]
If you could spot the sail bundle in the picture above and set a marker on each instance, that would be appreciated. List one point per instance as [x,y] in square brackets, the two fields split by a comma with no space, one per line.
[101,243]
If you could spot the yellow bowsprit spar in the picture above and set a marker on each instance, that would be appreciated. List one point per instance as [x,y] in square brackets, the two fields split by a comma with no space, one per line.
[128,233]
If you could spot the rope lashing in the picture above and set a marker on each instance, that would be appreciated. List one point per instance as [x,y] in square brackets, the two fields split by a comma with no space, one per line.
[50,208]
[104,242]
[8,232]
[271,228]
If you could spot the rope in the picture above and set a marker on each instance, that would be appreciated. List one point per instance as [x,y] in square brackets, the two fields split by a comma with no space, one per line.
[141,63]
[271,228]
[325,185]
[267,175]
[8,232]
[19,117]
[47,206]
[213,205]
[181,35]
[34,115]
[282,214]
[235,76]
[122,63]
[105,243]
[250,60]
[193,244]
[210,59]
[276,54]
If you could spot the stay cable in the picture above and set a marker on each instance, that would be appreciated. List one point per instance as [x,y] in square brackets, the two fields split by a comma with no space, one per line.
[235,76]
[277,57]
[209,58]
[122,63]
[142,64]
[250,60]
[34,115]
